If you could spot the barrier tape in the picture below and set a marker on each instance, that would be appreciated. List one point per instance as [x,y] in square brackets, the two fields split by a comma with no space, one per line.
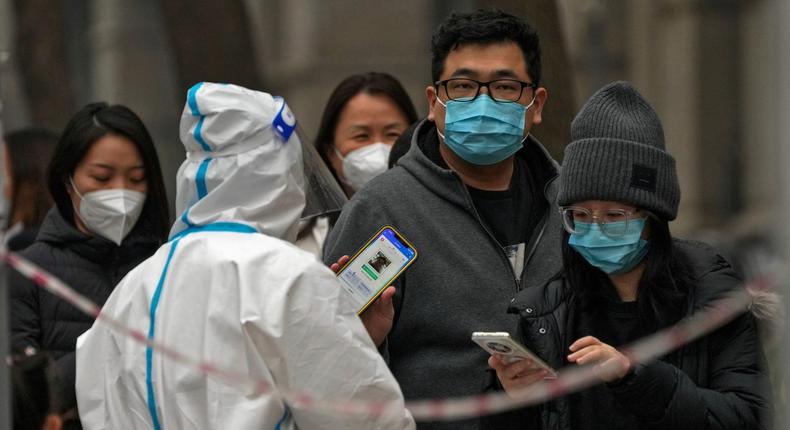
[570,379]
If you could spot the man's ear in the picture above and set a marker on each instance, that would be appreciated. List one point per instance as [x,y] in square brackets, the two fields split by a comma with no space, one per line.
[430,94]
[537,108]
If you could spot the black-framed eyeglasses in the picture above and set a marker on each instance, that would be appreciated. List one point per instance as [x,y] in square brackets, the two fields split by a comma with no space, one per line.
[613,222]
[501,90]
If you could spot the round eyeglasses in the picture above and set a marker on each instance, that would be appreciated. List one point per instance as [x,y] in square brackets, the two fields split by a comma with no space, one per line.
[501,90]
[613,222]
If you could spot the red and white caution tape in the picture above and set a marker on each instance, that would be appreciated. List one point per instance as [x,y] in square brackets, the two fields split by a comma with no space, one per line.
[570,379]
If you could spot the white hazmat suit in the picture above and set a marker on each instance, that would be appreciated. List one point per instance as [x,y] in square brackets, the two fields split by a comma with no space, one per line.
[227,289]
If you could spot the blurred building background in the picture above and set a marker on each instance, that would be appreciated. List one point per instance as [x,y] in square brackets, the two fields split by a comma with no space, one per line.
[716,71]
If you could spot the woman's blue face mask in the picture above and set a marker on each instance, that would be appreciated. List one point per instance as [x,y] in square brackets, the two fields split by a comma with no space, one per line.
[611,254]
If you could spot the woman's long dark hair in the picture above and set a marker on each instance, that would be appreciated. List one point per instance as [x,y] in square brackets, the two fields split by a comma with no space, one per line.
[373,83]
[88,125]
[662,292]
[29,150]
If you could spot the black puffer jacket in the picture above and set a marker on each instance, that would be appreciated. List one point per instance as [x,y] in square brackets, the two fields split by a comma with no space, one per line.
[92,265]
[718,382]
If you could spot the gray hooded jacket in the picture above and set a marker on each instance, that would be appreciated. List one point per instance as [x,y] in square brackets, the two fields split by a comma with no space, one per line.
[462,281]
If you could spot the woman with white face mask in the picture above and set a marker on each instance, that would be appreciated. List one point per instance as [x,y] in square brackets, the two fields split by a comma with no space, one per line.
[363,117]
[110,214]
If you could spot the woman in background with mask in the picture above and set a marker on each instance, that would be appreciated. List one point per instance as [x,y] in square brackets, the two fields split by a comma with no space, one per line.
[626,277]
[110,214]
[362,119]
[364,116]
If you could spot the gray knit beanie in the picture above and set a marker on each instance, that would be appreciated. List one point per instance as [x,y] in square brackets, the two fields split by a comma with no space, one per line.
[617,153]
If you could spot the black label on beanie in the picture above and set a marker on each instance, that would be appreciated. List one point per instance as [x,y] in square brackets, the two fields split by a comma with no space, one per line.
[643,177]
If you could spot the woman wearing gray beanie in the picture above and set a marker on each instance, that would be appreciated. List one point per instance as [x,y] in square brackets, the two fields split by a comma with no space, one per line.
[626,277]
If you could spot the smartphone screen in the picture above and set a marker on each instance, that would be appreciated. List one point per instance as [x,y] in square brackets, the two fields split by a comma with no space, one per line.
[375,266]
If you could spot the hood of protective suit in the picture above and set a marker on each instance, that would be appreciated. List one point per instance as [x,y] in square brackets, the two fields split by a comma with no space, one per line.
[243,164]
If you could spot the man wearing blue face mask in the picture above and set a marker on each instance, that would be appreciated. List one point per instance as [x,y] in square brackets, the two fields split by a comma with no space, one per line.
[475,196]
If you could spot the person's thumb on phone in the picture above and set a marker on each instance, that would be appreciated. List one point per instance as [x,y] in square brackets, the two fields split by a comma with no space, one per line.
[335,267]
[378,317]
[386,298]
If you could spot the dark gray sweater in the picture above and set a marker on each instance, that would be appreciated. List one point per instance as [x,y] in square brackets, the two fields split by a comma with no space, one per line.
[462,280]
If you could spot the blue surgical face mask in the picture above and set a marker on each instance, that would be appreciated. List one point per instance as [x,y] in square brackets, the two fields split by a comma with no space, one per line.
[618,254]
[484,131]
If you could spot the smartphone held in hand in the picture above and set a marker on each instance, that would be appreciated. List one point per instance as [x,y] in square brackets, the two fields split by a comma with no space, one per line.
[501,343]
[375,266]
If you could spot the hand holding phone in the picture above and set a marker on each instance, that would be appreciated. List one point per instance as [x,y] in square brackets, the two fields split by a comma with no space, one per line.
[375,266]
[511,351]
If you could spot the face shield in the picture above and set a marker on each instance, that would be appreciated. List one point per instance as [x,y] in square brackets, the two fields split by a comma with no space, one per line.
[323,195]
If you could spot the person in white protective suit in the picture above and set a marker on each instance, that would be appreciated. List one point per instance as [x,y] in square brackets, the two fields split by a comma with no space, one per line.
[228,289]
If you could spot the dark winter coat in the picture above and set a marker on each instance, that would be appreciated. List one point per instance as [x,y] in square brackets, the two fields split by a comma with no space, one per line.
[22,239]
[718,382]
[92,265]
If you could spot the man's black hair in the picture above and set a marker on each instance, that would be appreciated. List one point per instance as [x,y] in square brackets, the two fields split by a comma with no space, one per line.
[484,27]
